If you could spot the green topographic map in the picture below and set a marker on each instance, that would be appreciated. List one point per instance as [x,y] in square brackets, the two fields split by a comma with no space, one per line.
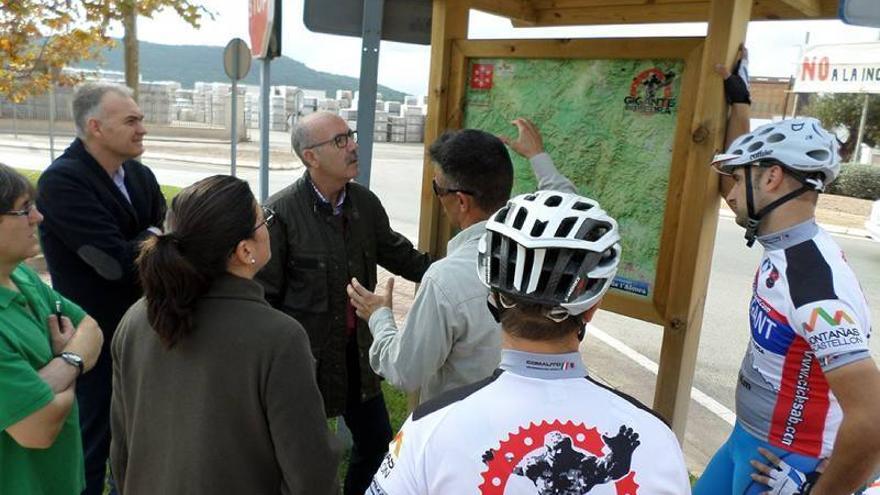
[608,125]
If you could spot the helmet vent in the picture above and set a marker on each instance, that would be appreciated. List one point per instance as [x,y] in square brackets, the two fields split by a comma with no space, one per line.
[775,138]
[565,226]
[819,155]
[597,232]
[502,214]
[538,228]
[553,201]
[550,258]
[756,146]
[509,254]
[767,131]
[575,262]
[738,152]
[520,218]
[581,206]
[746,139]
[530,197]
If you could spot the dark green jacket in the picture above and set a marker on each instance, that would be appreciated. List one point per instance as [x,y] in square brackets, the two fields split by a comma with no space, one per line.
[314,255]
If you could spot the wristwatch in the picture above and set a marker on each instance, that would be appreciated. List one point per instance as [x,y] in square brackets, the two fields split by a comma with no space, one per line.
[73,360]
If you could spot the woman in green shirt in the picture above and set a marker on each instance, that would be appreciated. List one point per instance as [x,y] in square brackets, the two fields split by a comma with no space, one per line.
[46,342]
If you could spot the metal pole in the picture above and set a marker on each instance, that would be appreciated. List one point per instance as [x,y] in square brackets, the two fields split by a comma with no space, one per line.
[264,129]
[794,107]
[52,122]
[372,36]
[858,149]
[234,126]
[787,96]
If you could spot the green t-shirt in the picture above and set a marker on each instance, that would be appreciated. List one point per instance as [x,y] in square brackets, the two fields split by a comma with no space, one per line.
[25,347]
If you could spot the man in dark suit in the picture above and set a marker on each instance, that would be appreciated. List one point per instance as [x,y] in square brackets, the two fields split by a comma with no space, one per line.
[99,203]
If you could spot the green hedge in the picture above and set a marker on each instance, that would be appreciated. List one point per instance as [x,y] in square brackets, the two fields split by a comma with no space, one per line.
[857,181]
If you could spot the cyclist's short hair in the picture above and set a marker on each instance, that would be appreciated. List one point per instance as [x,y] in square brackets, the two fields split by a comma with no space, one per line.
[529,321]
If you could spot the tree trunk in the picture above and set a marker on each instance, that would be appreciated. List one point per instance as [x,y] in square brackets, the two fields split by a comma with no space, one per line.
[130,44]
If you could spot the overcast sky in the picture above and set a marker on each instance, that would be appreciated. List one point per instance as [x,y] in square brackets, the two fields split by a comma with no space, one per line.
[774,46]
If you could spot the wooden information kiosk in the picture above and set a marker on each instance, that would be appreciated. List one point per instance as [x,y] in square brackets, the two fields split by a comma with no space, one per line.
[670,268]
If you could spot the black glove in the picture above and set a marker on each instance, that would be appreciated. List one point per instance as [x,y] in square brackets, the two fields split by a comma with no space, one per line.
[736,89]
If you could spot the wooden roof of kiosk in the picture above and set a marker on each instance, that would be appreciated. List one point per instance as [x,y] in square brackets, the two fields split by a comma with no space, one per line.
[679,309]
[540,13]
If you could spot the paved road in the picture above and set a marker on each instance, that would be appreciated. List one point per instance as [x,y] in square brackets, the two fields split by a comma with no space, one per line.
[723,340]
[396,178]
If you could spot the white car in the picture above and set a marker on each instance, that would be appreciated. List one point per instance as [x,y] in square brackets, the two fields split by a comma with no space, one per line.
[873,222]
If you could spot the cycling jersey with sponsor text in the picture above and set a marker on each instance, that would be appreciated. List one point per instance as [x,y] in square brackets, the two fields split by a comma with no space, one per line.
[808,316]
[538,425]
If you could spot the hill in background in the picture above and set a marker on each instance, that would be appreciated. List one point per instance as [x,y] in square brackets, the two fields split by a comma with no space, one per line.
[188,64]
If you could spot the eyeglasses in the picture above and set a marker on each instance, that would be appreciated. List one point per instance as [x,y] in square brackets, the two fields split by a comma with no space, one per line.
[28,208]
[268,219]
[340,140]
[443,191]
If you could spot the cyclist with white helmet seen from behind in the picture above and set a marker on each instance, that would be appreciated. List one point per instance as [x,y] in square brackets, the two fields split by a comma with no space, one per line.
[808,389]
[539,424]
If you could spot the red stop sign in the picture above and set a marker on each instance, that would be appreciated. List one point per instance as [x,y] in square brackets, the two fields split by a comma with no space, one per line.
[262,16]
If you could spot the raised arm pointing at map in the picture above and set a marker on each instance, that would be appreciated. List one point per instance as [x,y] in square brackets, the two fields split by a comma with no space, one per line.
[450,338]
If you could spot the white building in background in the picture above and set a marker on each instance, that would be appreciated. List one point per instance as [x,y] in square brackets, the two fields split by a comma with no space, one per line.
[208,104]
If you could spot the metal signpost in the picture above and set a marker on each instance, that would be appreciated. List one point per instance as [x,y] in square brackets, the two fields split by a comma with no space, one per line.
[52,120]
[372,36]
[236,63]
[408,21]
[265,33]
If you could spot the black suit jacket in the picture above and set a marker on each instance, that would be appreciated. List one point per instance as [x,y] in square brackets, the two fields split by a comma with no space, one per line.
[91,233]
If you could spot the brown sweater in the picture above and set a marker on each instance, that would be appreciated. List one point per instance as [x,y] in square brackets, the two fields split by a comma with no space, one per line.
[232,408]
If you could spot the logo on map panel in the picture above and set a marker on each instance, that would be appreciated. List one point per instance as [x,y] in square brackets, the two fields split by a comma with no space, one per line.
[651,92]
[561,458]
[481,76]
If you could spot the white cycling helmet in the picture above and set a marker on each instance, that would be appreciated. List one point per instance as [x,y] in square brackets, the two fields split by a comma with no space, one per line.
[554,249]
[799,144]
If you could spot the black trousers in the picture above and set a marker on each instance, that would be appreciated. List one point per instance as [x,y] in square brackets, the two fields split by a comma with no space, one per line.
[370,429]
[93,391]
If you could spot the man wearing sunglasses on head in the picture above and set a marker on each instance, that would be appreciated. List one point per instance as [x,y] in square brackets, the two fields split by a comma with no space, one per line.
[451,338]
[327,231]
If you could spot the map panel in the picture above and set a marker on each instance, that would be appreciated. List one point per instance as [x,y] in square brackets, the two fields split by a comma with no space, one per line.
[609,126]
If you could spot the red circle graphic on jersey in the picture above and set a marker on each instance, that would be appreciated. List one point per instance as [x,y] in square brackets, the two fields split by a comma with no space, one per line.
[562,458]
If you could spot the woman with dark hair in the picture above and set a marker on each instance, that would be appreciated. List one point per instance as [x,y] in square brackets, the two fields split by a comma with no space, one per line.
[214,390]
[46,343]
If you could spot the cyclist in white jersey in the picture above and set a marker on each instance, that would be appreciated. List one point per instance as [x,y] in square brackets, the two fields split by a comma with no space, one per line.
[808,388]
[539,424]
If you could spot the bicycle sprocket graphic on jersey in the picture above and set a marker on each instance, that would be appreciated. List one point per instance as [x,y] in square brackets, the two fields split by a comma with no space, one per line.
[562,459]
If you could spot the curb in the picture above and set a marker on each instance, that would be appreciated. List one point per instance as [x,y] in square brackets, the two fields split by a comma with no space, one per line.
[164,156]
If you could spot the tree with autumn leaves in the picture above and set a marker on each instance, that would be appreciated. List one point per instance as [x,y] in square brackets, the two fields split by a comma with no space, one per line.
[38,38]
